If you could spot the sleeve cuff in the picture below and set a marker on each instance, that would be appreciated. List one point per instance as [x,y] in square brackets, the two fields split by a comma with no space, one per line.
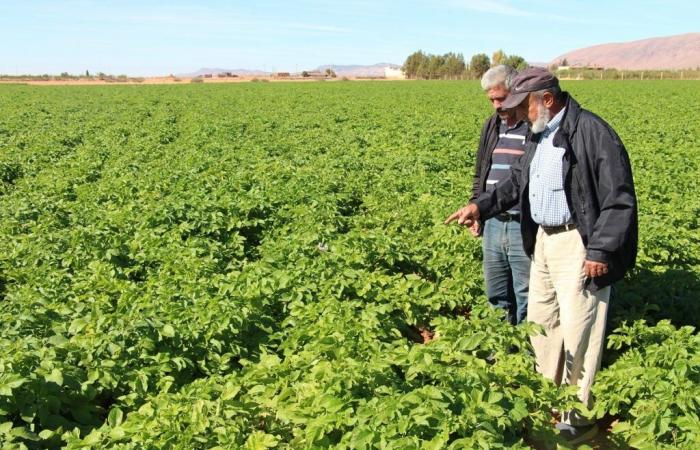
[483,208]
[598,256]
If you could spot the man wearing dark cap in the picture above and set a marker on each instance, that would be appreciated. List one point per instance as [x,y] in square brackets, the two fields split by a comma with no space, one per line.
[578,207]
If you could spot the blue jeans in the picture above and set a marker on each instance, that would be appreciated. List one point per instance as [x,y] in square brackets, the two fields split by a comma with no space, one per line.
[506,268]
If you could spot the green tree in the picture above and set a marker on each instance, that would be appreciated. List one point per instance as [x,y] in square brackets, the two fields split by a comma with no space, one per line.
[423,70]
[516,61]
[479,64]
[498,57]
[413,63]
[426,66]
[454,65]
[435,67]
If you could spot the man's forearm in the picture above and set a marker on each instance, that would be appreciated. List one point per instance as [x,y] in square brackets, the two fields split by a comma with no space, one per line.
[498,200]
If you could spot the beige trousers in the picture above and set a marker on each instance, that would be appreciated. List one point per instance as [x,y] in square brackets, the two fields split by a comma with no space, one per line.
[573,318]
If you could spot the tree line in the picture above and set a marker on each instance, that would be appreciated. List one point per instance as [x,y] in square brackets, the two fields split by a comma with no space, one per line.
[452,66]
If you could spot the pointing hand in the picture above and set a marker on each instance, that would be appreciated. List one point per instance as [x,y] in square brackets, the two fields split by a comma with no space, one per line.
[465,216]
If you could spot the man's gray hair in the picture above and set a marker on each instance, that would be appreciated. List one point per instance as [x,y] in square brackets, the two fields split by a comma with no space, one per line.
[498,75]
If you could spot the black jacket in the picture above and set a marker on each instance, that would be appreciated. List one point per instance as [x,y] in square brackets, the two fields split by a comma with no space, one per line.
[487,143]
[599,190]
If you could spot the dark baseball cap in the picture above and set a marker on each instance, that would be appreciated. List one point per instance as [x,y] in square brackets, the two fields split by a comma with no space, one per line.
[529,80]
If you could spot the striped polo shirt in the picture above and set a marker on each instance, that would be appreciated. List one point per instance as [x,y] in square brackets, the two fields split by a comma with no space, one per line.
[509,147]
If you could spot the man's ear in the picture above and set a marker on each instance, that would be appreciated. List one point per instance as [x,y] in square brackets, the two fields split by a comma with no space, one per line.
[548,99]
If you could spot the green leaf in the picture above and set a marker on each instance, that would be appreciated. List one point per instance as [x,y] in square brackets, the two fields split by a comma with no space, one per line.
[57,340]
[495,397]
[168,331]
[362,438]
[115,417]
[641,441]
[331,404]
[5,427]
[55,377]
[117,433]
[93,438]
[22,432]
[519,410]
[259,440]
[77,326]
[10,382]
[230,392]
[46,434]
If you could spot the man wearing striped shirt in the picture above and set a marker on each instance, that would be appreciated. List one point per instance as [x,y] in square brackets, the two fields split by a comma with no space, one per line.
[506,265]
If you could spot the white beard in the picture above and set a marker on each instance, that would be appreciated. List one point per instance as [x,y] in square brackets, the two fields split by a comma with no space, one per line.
[543,117]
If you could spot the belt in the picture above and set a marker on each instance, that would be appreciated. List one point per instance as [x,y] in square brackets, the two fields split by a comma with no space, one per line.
[558,228]
[507,217]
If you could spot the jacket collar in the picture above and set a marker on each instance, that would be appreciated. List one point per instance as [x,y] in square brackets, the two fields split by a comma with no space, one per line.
[569,122]
[573,111]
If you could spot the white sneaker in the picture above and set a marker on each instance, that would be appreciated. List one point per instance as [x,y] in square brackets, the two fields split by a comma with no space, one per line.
[576,435]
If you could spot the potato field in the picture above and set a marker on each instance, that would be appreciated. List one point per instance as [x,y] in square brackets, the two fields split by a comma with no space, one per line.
[265,265]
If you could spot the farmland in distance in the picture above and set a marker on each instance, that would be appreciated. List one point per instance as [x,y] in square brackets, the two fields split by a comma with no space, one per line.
[255,266]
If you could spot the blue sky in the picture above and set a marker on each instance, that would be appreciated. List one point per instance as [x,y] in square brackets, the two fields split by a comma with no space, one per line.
[161,37]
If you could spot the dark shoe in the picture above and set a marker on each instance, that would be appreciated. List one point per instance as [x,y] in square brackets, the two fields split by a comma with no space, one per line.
[576,435]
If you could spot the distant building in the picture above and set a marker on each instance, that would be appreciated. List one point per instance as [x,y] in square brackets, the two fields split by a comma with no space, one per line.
[394,73]
[281,75]
[581,67]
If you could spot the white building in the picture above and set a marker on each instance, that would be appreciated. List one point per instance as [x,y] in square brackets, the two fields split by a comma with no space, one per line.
[394,73]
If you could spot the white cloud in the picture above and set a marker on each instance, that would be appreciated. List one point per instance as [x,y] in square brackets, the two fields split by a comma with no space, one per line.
[189,18]
[206,21]
[490,6]
[506,8]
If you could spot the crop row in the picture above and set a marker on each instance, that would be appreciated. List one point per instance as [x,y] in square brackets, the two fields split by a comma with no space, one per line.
[258,266]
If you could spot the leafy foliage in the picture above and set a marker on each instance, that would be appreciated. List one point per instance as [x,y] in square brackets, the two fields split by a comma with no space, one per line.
[419,65]
[251,266]
[655,385]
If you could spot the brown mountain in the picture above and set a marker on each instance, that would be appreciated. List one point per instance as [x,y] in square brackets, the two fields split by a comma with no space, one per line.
[671,52]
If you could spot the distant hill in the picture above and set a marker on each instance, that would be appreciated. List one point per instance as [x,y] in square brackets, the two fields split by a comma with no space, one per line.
[671,52]
[215,70]
[375,70]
